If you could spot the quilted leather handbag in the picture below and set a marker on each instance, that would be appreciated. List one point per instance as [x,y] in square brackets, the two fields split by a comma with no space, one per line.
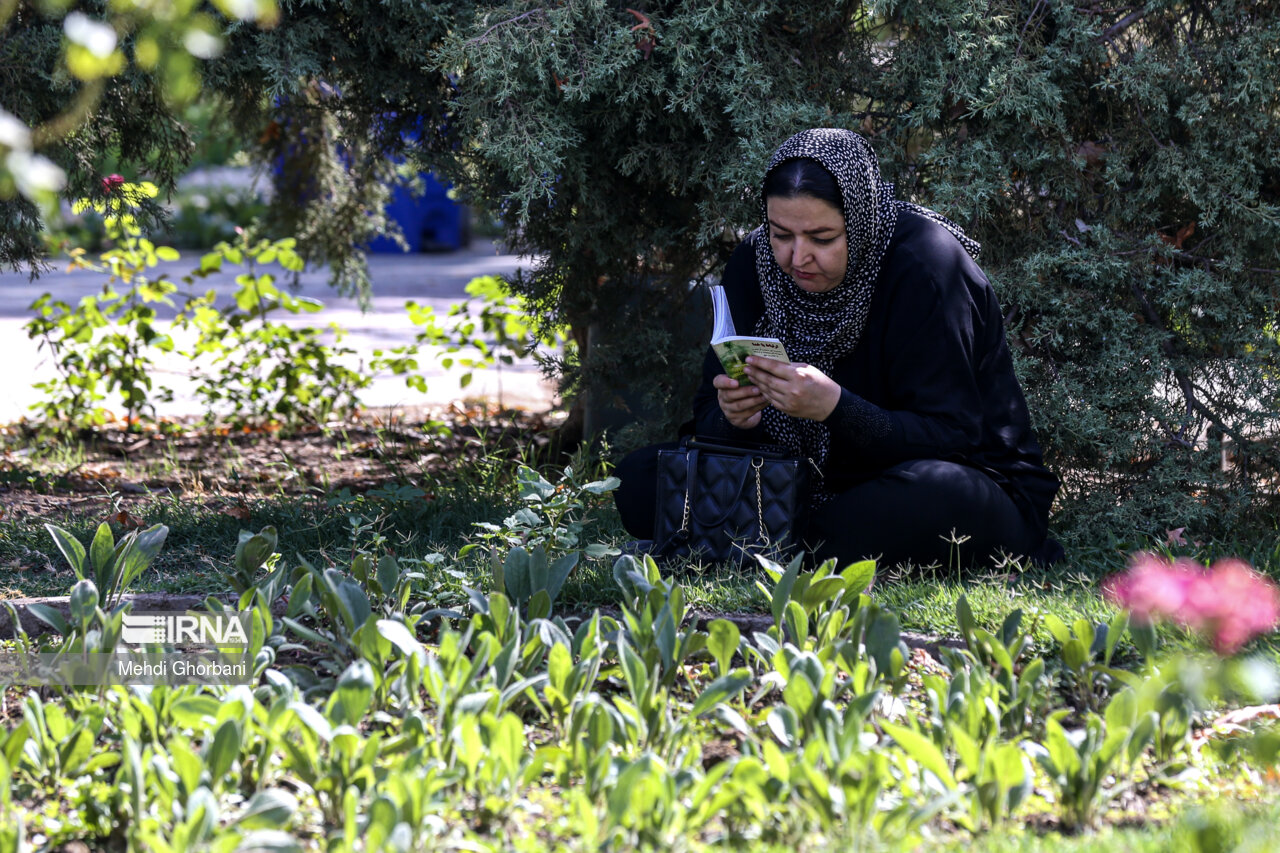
[720,501]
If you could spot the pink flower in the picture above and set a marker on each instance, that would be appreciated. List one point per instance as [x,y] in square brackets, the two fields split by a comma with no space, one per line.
[1151,589]
[1229,604]
[111,183]
[1247,605]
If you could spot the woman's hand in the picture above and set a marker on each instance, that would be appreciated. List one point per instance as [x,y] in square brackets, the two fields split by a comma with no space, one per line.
[742,405]
[800,390]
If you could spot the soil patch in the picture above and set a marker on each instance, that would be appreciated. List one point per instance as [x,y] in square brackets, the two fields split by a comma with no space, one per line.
[113,469]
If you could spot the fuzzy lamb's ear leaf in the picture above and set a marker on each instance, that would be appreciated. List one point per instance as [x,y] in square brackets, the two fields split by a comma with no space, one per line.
[1009,629]
[559,571]
[516,570]
[1144,637]
[859,576]
[782,591]
[223,749]
[922,751]
[718,691]
[50,617]
[882,638]
[1057,628]
[146,547]
[270,808]
[388,574]
[964,618]
[400,636]
[354,604]
[1114,631]
[70,547]
[796,623]
[253,549]
[1142,734]
[83,601]
[353,695]
[101,549]
[723,639]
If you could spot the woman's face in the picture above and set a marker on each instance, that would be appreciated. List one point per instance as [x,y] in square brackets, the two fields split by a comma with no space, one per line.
[808,240]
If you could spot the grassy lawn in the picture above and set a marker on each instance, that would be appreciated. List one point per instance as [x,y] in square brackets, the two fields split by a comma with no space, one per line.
[326,505]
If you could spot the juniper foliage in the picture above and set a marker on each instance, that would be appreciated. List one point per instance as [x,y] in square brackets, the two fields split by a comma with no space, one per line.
[1121,164]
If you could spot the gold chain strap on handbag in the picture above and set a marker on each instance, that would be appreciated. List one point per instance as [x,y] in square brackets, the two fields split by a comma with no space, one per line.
[756,464]
[684,515]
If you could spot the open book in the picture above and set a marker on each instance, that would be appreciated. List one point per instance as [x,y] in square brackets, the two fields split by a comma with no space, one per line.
[733,348]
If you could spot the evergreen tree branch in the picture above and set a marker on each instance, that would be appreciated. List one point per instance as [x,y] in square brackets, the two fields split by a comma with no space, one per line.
[1185,385]
[1110,33]
[483,38]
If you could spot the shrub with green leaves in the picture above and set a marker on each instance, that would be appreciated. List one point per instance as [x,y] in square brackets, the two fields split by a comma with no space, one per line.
[1119,164]
[246,364]
[108,341]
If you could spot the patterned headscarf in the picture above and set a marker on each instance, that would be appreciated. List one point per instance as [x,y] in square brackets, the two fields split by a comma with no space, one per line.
[821,328]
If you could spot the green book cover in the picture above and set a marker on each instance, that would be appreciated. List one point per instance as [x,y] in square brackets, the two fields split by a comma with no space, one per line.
[732,348]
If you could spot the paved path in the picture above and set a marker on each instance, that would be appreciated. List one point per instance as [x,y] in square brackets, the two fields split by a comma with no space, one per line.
[430,279]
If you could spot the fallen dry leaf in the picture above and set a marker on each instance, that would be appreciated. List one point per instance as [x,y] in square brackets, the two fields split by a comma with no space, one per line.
[126,520]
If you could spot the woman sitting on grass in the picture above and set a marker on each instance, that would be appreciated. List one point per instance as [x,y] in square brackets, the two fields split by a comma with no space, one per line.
[901,387]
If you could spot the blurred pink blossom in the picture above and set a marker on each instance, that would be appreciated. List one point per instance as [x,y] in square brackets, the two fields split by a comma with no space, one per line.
[1229,603]
[111,183]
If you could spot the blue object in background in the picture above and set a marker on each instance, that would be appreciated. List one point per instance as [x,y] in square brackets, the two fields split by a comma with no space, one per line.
[431,222]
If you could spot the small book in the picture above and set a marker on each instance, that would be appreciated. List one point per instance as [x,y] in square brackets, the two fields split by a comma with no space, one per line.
[733,348]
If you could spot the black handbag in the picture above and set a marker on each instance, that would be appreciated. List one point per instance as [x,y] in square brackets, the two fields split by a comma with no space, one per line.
[722,501]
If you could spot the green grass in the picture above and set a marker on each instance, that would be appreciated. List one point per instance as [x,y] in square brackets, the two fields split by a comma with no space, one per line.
[202,541]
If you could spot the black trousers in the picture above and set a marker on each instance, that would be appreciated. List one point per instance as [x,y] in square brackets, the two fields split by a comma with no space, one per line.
[915,512]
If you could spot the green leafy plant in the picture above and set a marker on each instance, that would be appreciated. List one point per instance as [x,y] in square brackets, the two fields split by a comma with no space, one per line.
[247,365]
[106,342]
[653,620]
[830,612]
[552,515]
[1024,684]
[533,580]
[498,334]
[260,368]
[1080,763]
[1085,650]
[543,539]
[112,566]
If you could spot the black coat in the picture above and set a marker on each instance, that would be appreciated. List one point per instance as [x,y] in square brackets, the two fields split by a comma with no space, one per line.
[932,360]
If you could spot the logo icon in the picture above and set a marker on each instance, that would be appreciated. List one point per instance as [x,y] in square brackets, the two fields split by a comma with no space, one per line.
[197,629]
[143,629]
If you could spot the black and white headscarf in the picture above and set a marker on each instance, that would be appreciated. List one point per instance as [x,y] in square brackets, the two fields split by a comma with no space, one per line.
[820,328]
